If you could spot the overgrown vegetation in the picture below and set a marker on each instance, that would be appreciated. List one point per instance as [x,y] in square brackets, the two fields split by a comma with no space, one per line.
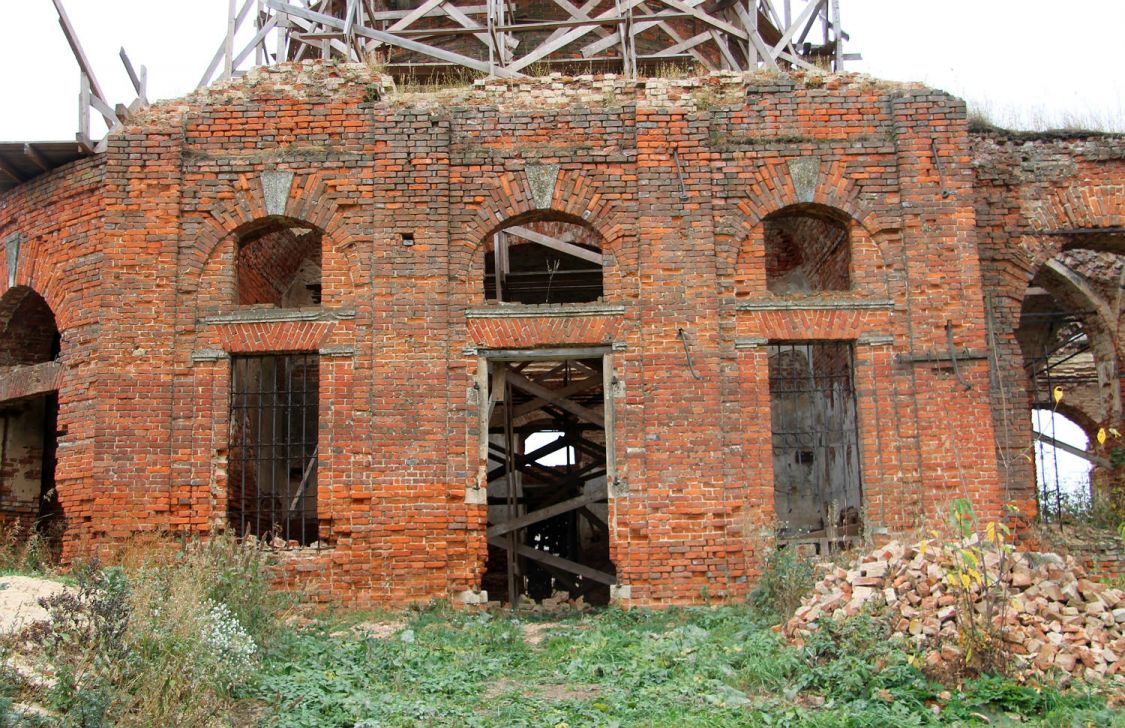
[195,636]
[170,640]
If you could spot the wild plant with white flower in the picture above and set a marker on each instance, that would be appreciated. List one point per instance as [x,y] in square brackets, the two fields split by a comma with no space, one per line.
[232,646]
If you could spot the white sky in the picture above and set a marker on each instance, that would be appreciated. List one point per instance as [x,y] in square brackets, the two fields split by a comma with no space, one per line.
[1027,62]
[1054,466]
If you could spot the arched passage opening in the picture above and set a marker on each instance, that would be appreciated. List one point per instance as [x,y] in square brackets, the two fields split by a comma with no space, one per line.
[30,345]
[1068,317]
[808,250]
[278,263]
[544,260]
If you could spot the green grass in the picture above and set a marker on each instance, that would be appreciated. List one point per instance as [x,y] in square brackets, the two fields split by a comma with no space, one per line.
[164,641]
[681,667]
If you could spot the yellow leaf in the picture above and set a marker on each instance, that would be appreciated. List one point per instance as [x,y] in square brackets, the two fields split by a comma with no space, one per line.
[965,581]
[1113,431]
[969,557]
[1057,394]
[990,531]
[1101,436]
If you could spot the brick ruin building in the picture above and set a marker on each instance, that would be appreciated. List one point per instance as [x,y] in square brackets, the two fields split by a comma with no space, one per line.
[633,331]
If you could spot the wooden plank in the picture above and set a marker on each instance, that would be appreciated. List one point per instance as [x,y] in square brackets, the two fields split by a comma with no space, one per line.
[33,154]
[795,26]
[390,39]
[639,27]
[533,517]
[558,562]
[548,47]
[408,19]
[256,41]
[523,383]
[219,54]
[755,38]
[80,56]
[555,244]
[459,16]
[571,389]
[1088,457]
[10,171]
[711,20]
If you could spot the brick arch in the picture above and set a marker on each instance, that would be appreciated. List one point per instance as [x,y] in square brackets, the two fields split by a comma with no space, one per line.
[310,203]
[773,190]
[39,271]
[510,202]
[38,322]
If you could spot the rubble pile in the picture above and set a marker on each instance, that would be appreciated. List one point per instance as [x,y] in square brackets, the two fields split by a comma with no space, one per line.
[1055,618]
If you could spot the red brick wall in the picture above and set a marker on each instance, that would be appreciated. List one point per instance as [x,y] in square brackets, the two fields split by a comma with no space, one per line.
[1037,195]
[402,327]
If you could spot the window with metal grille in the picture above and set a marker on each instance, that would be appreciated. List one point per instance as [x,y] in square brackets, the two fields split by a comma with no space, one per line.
[274,414]
[817,490]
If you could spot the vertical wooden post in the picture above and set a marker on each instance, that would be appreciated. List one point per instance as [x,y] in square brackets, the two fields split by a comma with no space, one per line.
[228,43]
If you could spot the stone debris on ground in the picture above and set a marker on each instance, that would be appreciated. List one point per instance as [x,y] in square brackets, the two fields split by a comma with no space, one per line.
[1058,619]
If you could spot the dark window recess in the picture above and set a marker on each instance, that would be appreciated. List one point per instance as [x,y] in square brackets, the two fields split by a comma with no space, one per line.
[544,262]
[274,416]
[279,264]
[817,491]
[807,250]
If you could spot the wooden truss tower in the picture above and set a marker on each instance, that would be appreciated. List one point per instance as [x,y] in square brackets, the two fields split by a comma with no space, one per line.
[423,38]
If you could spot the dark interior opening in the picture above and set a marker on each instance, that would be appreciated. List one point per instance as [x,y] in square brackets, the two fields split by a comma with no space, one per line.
[543,262]
[815,436]
[548,533]
[279,264]
[274,430]
[807,250]
[29,425]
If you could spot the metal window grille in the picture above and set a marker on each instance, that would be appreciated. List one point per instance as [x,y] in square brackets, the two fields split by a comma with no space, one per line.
[817,489]
[274,418]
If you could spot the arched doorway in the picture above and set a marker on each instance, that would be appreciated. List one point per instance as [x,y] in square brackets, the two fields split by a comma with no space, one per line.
[30,347]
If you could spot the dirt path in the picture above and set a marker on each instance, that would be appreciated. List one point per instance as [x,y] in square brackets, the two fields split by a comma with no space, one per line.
[19,600]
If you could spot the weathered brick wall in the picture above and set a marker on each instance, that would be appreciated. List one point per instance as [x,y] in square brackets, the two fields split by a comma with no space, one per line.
[1036,196]
[676,177]
[51,229]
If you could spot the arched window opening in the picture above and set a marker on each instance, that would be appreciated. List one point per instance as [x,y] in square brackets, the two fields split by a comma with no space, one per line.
[279,264]
[29,422]
[807,251]
[543,262]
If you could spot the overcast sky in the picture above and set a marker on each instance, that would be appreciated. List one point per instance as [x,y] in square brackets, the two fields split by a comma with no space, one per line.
[1028,62]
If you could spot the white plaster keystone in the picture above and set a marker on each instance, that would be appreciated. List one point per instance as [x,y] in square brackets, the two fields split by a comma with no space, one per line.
[805,173]
[542,178]
[275,189]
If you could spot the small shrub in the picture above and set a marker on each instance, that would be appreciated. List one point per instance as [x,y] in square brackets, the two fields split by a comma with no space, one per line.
[167,642]
[23,549]
[786,579]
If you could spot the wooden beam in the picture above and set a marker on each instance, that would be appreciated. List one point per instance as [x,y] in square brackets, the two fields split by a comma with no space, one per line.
[83,64]
[558,562]
[547,241]
[533,517]
[10,171]
[523,383]
[1088,457]
[33,154]
[390,39]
